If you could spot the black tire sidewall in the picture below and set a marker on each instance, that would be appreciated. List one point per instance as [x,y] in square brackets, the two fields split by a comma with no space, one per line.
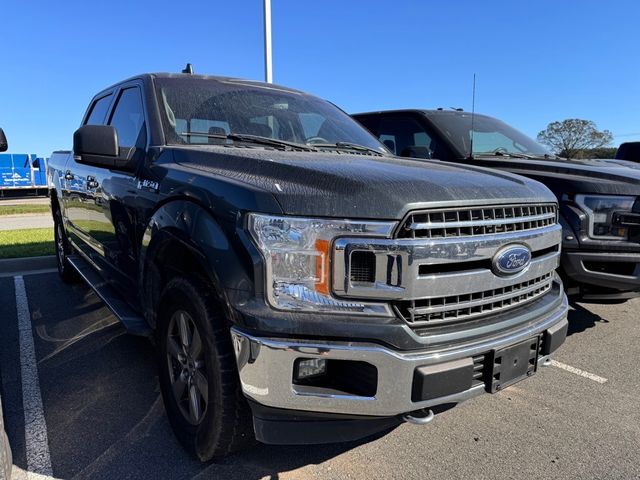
[188,295]
[67,273]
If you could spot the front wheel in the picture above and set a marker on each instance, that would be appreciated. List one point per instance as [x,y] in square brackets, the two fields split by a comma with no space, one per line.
[198,374]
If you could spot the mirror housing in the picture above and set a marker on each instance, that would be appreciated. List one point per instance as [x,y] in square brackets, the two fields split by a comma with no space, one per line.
[4,146]
[97,145]
[415,151]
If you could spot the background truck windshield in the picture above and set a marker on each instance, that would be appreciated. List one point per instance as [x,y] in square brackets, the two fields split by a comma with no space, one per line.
[222,107]
[490,136]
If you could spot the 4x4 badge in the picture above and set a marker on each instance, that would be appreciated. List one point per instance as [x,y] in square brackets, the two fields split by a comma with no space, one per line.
[148,185]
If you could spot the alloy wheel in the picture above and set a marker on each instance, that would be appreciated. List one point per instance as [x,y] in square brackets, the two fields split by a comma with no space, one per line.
[187,367]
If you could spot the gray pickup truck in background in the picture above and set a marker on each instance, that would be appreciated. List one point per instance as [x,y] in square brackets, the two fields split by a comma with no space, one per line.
[303,285]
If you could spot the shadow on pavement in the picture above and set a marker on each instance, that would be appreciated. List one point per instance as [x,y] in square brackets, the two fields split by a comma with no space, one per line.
[581,319]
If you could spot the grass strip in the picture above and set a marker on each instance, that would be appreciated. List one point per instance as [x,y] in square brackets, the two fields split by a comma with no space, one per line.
[23,209]
[30,242]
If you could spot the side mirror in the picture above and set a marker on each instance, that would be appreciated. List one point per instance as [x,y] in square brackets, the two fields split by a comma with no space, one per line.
[4,146]
[97,145]
[414,151]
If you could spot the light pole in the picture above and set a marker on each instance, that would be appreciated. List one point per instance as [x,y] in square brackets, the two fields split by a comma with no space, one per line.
[268,70]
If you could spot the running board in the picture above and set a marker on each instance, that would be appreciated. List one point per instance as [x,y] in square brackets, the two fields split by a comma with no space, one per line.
[133,323]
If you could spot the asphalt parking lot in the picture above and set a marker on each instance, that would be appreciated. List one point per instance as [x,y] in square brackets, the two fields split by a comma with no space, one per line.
[101,414]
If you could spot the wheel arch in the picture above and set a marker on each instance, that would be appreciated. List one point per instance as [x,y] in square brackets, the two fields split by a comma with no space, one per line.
[184,237]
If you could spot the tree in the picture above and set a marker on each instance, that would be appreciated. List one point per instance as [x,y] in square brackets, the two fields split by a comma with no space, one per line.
[572,136]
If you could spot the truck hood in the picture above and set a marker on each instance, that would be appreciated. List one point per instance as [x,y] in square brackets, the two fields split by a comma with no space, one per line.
[359,186]
[603,176]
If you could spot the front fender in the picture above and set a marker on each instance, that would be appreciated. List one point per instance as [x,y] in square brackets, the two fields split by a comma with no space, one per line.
[227,265]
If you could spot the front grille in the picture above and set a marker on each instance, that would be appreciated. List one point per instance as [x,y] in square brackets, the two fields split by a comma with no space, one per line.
[461,307]
[474,221]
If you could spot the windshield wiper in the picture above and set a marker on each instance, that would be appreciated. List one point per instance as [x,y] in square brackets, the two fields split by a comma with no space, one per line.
[245,137]
[348,146]
[509,154]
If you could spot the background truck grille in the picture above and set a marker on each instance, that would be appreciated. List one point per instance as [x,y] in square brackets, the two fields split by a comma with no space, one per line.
[461,307]
[470,221]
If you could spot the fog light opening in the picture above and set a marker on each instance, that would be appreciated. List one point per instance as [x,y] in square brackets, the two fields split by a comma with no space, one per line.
[320,376]
[308,368]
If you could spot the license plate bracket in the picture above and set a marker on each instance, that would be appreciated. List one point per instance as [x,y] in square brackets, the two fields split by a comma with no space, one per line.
[514,363]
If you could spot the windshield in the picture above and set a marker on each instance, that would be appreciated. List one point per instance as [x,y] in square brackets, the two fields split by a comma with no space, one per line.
[216,108]
[490,136]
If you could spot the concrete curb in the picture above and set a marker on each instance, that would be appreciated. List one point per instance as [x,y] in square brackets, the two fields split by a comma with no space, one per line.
[20,266]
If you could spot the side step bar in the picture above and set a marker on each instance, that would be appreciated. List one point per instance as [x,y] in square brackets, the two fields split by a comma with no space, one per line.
[132,321]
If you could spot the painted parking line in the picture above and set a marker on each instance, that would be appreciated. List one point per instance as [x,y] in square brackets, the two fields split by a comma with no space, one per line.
[577,371]
[35,426]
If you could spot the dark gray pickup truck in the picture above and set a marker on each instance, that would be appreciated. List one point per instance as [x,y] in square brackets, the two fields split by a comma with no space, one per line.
[599,199]
[303,285]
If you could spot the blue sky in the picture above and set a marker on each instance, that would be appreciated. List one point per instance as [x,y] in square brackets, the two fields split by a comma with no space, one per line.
[536,62]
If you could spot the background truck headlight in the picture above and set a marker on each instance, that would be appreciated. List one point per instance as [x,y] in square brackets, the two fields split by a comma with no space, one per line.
[297,255]
[600,210]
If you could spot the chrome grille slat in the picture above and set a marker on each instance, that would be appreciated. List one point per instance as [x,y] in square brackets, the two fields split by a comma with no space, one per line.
[468,223]
[481,298]
[474,221]
[489,302]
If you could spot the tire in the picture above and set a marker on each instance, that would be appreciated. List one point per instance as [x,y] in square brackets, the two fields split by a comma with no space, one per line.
[63,250]
[200,386]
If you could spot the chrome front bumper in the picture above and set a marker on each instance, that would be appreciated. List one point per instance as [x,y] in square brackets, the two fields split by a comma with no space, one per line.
[266,369]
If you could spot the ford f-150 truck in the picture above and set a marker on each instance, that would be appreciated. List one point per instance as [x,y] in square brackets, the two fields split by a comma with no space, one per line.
[303,284]
[599,199]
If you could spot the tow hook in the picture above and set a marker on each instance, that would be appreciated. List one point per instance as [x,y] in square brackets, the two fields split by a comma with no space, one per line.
[419,417]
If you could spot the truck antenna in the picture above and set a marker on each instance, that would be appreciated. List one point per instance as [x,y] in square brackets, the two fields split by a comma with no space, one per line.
[473,114]
[188,69]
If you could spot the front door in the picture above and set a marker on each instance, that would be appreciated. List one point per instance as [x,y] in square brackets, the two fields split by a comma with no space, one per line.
[117,217]
[81,193]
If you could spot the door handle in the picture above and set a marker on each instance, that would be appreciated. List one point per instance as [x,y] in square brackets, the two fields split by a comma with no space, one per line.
[68,175]
[92,183]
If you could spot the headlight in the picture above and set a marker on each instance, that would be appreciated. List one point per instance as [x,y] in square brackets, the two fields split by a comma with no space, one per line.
[297,255]
[600,210]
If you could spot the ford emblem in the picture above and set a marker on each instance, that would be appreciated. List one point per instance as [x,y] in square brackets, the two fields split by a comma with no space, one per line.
[511,260]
